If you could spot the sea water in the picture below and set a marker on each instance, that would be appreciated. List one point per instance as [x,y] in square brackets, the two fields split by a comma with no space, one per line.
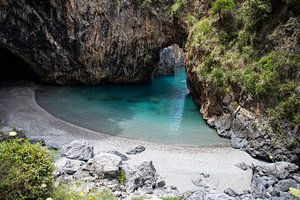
[160,112]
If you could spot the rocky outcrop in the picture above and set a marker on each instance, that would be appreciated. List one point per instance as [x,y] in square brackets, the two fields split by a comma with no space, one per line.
[86,41]
[103,170]
[234,111]
[272,181]
[275,180]
[78,149]
[169,58]
[136,150]
[166,65]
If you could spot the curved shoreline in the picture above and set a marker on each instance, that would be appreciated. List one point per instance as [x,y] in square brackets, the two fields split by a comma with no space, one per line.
[179,165]
[122,137]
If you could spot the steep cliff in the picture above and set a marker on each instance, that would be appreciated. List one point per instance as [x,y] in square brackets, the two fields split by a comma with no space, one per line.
[243,68]
[87,41]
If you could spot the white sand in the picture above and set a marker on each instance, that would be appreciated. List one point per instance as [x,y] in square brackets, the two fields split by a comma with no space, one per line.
[178,165]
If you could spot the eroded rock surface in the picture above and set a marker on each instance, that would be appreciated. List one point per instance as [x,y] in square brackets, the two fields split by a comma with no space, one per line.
[78,149]
[86,41]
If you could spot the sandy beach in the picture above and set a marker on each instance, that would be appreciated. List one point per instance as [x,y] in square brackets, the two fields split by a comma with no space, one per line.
[178,165]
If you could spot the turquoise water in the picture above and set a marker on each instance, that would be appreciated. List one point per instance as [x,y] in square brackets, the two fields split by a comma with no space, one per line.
[161,112]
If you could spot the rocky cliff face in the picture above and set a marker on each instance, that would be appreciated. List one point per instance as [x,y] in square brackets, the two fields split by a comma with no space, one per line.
[86,41]
[220,78]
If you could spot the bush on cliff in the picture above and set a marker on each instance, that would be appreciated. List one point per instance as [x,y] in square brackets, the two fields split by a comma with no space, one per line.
[25,170]
[221,6]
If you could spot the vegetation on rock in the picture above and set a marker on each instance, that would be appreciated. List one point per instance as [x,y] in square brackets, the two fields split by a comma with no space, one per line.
[251,54]
[67,192]
[220,6]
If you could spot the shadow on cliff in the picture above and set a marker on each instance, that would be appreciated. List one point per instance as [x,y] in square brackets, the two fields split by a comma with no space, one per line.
[14,68]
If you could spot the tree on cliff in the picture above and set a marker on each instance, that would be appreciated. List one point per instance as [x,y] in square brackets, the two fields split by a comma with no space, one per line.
[220,6]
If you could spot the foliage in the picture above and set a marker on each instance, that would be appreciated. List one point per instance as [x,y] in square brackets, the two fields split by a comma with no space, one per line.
[170,198]
[256,12]
[200,29]
[66,192]
[191,19]
[261,77]
[295,192]
[220,6]
[122,177]
[148,3]
[294,5]
[25,170]
[177,8]
[217,77]
[289,109]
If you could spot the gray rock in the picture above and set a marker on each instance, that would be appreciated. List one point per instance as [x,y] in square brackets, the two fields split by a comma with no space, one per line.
[198,182]
[107,164]
[237,142]
[136,150]
[169,191]
[204,175]
[204,194]
[242,166]
[72,166]
[78,149]
[142,177]
[122,156]
[160,182]
[284,169]
[53,146]
[274,180]
[297,178]
[99,58]
[166,65]
[231,192]
[284,185]
[4,132]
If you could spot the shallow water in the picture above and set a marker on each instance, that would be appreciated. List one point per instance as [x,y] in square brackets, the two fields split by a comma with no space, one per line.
[161,112]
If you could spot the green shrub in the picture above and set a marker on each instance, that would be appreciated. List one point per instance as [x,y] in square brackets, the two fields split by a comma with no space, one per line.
[177,8]
[220,6]
[68,192]
[256,12]
[217,76]
[25,170]
[200,29]
[295,192]
[262,77]
[170,198]
[191,19]
[122,177]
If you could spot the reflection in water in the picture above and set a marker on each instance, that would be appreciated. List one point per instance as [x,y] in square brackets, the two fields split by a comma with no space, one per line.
[159,112]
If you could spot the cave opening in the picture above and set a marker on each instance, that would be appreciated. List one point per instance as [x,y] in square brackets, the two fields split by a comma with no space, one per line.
[170,58]
[14,68]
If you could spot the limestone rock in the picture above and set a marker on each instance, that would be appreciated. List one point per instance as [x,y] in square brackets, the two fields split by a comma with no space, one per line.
[73,166]
[89,41]
[78,149]
[166,65]
[242,166]
[231,192]
[136,150]
[121,155]
[142,177]
[274,180]
[107,164]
